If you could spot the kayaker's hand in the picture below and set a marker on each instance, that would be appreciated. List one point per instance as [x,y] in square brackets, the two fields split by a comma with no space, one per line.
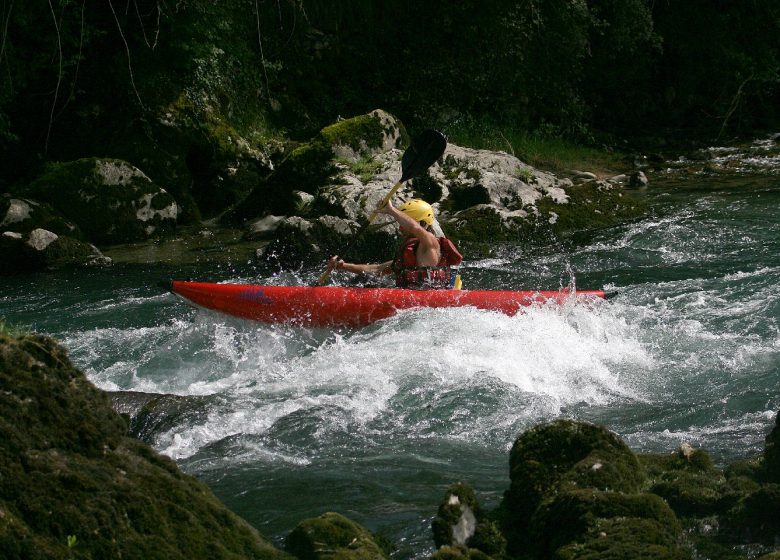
[384,208]
[335,263]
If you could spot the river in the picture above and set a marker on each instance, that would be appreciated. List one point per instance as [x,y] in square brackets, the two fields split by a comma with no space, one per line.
[286,423]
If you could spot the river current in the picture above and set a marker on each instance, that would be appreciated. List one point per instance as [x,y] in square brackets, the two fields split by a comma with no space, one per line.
[286,423]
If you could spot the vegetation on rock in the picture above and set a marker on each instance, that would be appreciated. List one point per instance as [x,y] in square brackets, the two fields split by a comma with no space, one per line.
[74,485]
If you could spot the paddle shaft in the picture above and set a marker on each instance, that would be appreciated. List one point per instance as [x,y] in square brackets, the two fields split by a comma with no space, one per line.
[326,274]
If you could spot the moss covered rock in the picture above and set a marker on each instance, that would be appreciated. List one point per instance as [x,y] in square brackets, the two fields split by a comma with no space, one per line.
[110,200]
[22,215]
[564,455]
[689,482]
[332,536]
[461,523]
[596,524]
[312,165]
[755,519]
[42,249]
[73,485]
[459,553]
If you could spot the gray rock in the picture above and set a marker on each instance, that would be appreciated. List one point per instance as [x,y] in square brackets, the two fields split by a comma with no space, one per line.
[637,179]
[42,249]
[40,239]
[263,228]
[110,200]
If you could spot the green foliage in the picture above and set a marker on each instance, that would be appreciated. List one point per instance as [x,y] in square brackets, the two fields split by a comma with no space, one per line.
[11,331]
[185,89]
[365,167]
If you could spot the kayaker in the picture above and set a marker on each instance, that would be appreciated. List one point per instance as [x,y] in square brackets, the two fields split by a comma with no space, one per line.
[425,258]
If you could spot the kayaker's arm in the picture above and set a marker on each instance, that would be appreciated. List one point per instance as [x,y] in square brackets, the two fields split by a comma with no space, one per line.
[377,269]
[428,251]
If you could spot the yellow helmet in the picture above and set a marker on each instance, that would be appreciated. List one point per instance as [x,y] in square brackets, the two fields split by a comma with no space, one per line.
[418,209]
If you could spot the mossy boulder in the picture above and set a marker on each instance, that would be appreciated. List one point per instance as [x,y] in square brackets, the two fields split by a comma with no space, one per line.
[42,249]
[73,485]
[582,523]
[23,215]
[456,518]
[110,200]
[494,194]
[459,553]
[755,519]
[332,536]
[563,455]
[689,482]
[314,164]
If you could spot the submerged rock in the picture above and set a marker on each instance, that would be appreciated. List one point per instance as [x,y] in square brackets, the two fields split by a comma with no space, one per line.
[73,485]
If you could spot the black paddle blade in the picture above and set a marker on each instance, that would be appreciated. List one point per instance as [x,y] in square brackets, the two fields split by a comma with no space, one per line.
[426,148]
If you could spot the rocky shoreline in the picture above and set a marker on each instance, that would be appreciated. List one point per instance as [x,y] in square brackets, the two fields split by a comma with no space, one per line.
[306,205]
[75,482]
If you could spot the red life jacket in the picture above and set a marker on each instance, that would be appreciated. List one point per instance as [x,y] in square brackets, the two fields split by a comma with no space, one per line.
[409,275]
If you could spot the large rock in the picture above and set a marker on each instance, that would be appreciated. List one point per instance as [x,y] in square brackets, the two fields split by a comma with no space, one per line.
[565,455]
[110,200]
[22,215]
[73,485]
[479,195]
[324,160]
[41,249]
[691,485]
[591,523]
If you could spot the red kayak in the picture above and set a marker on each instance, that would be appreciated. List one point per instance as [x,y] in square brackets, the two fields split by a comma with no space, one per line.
[330,306]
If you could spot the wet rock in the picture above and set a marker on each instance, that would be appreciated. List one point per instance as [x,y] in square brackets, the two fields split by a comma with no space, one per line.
[42,249]
[264,228]
[332,536]
[110,200]
[460,523]
[637,179]
[565,454]
[150,415]
[72,484]
[583,176]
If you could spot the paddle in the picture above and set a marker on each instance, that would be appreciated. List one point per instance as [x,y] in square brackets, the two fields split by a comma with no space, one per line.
[425,149]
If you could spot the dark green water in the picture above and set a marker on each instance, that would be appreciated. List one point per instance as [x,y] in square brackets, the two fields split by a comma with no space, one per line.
[376,423]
